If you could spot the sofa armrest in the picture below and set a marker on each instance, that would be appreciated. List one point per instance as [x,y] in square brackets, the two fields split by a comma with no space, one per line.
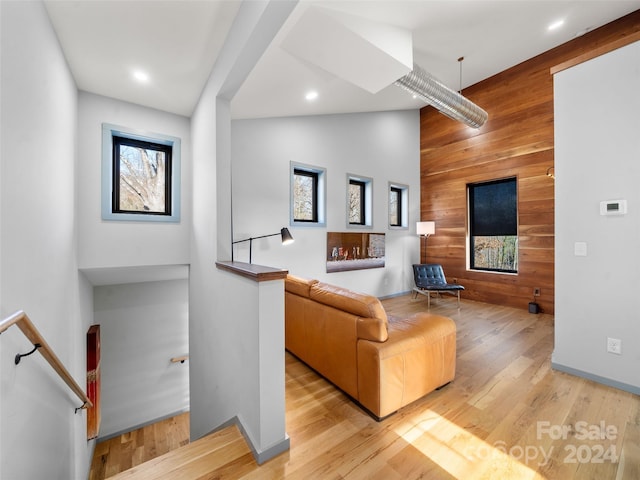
[418,357]
[298,285]
[371,329]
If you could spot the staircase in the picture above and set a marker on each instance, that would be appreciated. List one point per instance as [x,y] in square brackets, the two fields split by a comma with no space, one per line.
[223,454]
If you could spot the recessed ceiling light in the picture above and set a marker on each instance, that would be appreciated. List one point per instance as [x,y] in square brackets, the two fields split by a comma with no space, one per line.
[141,76]
[311,95]
[555,25]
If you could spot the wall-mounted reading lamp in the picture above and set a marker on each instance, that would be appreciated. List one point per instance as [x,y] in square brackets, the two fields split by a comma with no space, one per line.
[284,233]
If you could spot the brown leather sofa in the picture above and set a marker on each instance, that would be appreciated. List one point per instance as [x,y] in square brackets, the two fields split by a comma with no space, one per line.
[382,363]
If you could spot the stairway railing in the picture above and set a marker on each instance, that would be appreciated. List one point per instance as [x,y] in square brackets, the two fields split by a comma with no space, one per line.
[22,321]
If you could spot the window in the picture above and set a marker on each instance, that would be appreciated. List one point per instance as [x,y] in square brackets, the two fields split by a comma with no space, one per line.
[307,195]
[398,206]
[493,226]
[140,176]
[359,201]
[356,202]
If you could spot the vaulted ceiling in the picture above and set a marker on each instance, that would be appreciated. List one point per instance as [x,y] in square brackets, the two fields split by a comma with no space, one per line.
[175,43]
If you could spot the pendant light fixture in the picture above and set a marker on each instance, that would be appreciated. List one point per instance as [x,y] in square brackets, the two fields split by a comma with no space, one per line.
[449,102]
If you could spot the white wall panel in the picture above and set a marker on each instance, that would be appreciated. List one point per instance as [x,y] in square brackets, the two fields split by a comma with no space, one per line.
[383,146]
[597,157]
[142,326]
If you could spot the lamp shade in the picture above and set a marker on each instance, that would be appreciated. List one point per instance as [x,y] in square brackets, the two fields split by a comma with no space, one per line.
[426,228]
[286,236]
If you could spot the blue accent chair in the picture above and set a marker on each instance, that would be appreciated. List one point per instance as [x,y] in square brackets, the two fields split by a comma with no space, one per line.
[429,277]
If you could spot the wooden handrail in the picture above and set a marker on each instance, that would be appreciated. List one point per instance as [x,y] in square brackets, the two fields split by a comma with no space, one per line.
[180,359]
[23,322]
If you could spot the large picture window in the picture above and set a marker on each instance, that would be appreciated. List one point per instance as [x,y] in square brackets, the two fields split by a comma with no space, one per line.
[493,225]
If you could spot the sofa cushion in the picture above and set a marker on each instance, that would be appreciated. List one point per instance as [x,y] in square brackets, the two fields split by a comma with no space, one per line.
[372,324]
[298,285]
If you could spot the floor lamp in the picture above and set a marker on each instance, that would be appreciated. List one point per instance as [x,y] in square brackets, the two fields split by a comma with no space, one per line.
[424,229]
[284,233]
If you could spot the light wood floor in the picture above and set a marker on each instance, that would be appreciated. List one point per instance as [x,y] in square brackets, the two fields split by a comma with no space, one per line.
[130,449]
[506,415]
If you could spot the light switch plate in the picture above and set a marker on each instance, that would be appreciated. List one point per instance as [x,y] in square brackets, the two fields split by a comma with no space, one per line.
[580,249]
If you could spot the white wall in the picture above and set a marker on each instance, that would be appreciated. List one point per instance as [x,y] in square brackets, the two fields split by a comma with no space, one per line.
[384,146]
[142,326]
[112,243]
[597,157]
[40,435]
[221,352]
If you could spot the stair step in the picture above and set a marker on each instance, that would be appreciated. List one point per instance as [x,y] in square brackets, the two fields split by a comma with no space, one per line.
[213,453]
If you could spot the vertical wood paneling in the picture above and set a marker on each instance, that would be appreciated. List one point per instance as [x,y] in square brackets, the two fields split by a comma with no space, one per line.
[517,140]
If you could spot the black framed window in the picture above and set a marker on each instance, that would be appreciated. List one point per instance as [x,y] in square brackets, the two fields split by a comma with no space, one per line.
[357,202]
[141,181]
[305,195]
[395,206]
[493,225]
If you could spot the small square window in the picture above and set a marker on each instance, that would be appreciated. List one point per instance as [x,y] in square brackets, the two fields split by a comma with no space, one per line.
[140,176]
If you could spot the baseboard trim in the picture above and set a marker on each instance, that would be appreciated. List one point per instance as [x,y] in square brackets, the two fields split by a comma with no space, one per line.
[260,456]
[100,438]
[393,295]
[596,378]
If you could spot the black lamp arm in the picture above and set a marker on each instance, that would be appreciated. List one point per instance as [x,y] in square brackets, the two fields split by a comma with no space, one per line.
[255,238]
[284,233]
[251,239]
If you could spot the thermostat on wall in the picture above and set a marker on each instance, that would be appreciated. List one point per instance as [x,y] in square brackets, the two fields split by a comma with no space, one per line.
[613,207]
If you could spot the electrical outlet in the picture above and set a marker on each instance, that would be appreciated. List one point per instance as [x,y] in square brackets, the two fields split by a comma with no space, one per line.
[614,345]
[536,292]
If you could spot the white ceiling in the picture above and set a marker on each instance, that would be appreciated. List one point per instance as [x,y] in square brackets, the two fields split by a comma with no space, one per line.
[176,43]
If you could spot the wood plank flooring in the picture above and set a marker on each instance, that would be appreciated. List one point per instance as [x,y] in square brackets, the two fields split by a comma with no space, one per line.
[133,448]
[507,415]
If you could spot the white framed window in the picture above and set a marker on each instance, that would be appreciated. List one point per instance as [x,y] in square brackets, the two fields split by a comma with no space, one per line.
[359,201]
[308,195]
[140,176]
[398,206]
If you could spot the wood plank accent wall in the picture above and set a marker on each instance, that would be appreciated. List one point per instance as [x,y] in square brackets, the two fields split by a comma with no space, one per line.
[517,140]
